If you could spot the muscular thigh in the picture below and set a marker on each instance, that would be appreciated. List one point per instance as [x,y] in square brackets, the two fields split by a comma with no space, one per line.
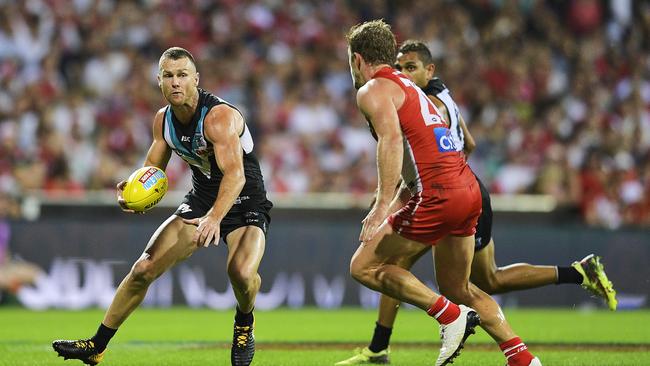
[453,259]
[171,243]
[246,247]
[388,247]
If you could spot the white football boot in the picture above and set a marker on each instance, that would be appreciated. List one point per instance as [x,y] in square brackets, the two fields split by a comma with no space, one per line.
[453,335]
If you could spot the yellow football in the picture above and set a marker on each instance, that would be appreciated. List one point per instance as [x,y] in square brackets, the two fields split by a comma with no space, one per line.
[145,188]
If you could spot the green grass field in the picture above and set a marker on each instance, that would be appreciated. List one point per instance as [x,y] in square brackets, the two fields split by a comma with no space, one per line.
[181,336]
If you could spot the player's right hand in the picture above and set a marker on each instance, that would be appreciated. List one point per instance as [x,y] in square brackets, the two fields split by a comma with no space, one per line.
[120,199]
[372,222]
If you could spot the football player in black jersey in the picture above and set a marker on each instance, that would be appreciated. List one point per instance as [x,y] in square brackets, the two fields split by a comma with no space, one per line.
[227,200]
[415,61]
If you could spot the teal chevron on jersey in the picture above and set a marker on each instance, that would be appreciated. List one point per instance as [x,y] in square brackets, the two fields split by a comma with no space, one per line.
[196,156]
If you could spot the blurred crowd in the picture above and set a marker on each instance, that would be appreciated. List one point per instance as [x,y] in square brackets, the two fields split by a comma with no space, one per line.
[556,93]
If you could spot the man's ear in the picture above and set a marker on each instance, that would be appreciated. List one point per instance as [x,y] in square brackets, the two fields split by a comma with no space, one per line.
[159,81]
[431,70]
[196,80]
[358,60]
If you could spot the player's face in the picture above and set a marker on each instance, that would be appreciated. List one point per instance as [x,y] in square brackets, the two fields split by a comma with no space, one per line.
[355,69]
[410,65]
[178,80]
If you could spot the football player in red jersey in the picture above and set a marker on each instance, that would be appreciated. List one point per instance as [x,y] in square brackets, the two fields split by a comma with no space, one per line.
[443,209]
[415,61]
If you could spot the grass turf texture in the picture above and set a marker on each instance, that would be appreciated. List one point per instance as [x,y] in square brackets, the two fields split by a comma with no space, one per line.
[180,336]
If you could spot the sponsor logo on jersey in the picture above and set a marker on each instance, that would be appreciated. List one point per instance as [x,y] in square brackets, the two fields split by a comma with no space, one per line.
[185,139]
[444,139]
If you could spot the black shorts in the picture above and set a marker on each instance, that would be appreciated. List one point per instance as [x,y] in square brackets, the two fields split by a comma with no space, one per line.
[246,211]
[484,226]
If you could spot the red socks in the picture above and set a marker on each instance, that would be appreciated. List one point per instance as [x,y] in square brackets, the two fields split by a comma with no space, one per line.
[444,311]
[516,352]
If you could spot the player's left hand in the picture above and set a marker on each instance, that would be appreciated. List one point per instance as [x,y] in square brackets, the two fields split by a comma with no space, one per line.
[121,201]
[371,223]
[207,230]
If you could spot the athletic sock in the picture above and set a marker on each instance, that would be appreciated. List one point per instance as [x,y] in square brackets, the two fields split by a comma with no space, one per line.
[243,319]
[568,275]
[102,337]
[516,352]
[380,338]
[444,311]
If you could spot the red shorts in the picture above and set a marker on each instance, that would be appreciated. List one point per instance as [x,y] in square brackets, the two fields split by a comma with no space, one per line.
[432,214]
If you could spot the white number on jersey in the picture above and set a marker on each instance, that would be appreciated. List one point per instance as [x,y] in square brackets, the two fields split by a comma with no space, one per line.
[425,103]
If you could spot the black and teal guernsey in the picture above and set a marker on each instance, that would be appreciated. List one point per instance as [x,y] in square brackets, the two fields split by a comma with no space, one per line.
[189,143]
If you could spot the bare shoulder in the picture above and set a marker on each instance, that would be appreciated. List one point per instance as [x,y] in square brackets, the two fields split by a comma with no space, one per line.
[159,117]
[222,121]
[222,114]
[377,92]
[160,113]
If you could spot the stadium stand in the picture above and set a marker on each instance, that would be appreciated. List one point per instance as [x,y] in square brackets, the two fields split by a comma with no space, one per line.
[556,93]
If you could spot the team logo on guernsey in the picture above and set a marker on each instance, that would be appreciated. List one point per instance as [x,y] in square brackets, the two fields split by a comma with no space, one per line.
[201,146]
[444,139]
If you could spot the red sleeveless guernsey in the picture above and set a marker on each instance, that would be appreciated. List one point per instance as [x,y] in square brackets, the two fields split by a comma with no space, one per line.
[446,197]
[430,157]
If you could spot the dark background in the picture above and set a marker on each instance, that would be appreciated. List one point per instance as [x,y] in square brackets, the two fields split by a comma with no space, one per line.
[309,246]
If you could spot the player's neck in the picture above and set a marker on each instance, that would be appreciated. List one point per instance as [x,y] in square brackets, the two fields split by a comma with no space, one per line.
[371,70]
[185,112]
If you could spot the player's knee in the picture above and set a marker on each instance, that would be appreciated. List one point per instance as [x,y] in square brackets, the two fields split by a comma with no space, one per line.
[143,272]
[358,270]
[241,276]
